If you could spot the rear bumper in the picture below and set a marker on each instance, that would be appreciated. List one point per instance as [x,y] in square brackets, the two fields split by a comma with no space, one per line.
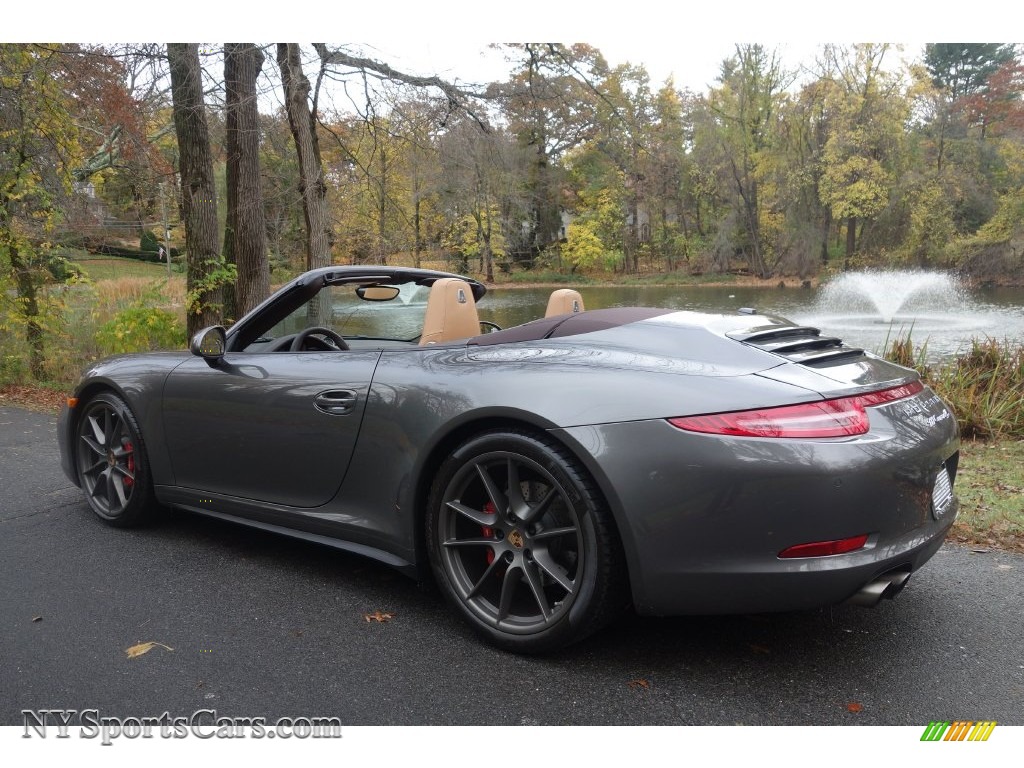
[772,585]
[703,518]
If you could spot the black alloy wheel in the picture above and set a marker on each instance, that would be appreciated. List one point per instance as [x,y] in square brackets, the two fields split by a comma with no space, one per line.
[111,461]
[521,542]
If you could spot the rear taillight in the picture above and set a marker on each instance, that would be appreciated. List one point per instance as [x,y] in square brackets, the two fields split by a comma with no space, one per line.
[839,417]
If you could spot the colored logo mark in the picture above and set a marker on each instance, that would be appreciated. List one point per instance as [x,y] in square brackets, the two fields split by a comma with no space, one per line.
[959,730]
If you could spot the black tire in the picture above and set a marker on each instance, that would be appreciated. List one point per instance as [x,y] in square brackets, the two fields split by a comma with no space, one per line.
[546,571]
[110,458]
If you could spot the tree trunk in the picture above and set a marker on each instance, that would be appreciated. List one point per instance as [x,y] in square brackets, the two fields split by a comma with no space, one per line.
[851,240]
[248,238]
[302,122]
[28,309]
[488,254]
[198,189]
[666,245]
[382,209]
[417,247]
[826,227]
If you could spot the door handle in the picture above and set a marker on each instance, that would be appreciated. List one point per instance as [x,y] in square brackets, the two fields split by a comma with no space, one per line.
[335,402]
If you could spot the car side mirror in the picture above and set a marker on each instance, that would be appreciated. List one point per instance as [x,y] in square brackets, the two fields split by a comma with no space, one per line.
[210,344]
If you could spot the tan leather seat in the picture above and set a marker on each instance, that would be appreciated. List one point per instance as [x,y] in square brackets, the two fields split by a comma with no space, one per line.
[451,312]
[564,301]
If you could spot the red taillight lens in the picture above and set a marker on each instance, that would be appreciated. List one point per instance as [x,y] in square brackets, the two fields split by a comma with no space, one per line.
[840,417]
[823,548]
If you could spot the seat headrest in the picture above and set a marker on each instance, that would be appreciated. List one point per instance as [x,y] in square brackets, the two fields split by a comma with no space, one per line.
[451,312]
[564,301]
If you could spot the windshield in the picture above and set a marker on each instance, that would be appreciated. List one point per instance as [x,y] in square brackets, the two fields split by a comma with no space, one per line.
[341,309]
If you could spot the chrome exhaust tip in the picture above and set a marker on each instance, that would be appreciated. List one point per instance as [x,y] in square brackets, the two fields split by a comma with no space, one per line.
[886,586]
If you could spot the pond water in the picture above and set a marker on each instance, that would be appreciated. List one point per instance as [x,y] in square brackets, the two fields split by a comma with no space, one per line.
[864,313]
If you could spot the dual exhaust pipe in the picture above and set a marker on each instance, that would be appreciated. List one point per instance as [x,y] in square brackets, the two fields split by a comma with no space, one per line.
[886,586]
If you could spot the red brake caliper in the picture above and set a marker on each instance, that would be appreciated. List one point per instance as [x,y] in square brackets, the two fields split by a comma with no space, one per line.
[130,450]
[489,532]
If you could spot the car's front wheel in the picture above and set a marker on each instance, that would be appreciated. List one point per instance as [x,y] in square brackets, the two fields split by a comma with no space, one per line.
[111,462]
[522,543]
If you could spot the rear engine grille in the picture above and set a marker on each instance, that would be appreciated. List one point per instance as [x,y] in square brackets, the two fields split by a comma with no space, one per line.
[798,343]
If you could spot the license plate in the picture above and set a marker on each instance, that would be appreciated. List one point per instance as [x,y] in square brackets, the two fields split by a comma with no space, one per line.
[942,494]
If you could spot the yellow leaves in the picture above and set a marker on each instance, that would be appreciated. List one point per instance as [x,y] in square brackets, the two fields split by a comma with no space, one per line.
[378,616]
[140,648]
[583,247]
[639,684]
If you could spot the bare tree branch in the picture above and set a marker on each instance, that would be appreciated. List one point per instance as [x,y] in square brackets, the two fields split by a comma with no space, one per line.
[456,96]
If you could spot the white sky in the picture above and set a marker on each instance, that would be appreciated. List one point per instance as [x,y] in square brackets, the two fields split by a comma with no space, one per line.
[450,37]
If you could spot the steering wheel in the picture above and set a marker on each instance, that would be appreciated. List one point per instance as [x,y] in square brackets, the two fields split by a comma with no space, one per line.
[491,327]
[317,330]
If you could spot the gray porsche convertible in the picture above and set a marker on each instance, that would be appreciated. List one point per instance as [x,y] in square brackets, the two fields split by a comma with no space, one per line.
[547,476]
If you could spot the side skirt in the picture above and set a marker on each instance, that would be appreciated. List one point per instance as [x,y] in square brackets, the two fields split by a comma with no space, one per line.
[380,555]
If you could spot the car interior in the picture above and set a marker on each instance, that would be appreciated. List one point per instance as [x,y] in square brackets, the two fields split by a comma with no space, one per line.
[336,317]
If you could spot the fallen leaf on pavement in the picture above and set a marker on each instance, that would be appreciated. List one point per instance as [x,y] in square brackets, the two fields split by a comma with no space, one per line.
[639,683]
[759,648]
[853,706]
[378,616]
[141,648]
[37,618]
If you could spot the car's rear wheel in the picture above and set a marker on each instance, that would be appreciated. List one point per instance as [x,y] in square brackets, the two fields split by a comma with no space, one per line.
[522,543]
[111,461]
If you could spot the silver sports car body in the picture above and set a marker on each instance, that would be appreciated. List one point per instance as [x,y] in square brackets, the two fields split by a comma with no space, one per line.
[547,475]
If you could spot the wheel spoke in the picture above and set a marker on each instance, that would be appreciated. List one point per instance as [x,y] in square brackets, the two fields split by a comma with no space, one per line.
[486,519]
[553,532]
[493,492]
[97,432]
[101,462]
[108,488]
[508,590]
[93,445]
[534,582]
[108,427]
[124,472]
[479,542]
[547,564]
[537,511]
[101,484]
[118,487]
[516,501]
[491,569]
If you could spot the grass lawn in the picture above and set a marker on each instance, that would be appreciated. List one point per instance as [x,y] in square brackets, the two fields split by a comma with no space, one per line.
[990,484]
[113,267]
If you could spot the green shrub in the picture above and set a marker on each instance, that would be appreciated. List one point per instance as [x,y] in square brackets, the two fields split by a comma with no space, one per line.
[984,386]
[140,329]
[13,368]
[148,242]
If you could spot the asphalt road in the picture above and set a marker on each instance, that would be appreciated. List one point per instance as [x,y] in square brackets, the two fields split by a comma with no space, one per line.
[262,625]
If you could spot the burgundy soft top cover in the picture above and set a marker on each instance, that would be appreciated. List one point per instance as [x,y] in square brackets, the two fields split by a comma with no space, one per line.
[569,325]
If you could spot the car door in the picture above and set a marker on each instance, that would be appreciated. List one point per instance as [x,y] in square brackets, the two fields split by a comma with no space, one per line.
[276,427]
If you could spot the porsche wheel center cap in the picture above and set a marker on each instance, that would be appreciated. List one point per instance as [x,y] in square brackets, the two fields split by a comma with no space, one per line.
[111,459]
[515,538]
